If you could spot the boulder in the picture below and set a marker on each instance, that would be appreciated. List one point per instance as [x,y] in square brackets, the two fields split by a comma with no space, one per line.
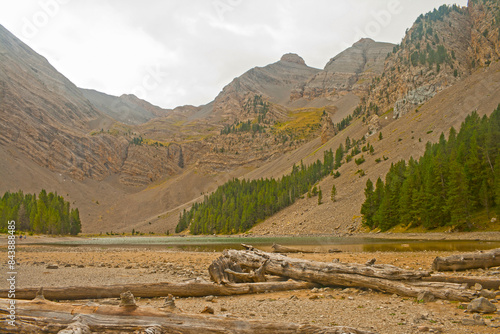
[481,305]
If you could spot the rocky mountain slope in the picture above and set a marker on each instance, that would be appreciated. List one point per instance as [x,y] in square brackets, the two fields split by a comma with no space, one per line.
[49,119]
[274,82]
[350,71]
[441,48]
[127,109]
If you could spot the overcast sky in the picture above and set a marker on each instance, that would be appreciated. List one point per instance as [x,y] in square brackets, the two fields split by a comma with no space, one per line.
[175,52]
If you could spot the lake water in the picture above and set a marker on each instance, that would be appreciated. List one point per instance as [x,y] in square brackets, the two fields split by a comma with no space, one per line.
[316,244]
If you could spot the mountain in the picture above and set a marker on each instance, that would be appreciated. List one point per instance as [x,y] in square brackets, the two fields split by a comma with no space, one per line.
[274,82]
[349,71]
[127,164]
[47,117]
[441,48]
[127,109]
[51,121]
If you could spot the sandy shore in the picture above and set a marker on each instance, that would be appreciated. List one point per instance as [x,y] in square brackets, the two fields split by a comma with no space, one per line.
[379,312]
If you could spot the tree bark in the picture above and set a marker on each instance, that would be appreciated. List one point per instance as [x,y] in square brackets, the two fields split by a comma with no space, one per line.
[187,289]
[385,278]
[481,259]
[50,317]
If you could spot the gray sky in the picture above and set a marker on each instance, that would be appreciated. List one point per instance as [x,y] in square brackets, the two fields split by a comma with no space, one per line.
[177,52]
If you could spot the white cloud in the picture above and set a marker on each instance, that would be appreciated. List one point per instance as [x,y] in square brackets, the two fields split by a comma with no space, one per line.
[184,52]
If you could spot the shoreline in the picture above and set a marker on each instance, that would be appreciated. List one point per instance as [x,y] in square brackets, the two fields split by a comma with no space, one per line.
[431,236]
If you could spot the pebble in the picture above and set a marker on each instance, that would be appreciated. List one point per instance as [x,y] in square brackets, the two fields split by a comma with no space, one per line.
[208,310]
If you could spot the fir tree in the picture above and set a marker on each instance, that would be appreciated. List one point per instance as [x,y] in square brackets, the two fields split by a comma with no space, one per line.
[334,193]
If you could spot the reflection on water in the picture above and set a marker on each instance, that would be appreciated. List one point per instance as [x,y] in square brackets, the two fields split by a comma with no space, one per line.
[314,244]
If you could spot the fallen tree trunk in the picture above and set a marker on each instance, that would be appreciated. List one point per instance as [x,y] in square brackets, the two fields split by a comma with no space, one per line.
[486,283]
[151,290]
[385,278]
[284,249]
[50,317]
[481,259]
[279,265]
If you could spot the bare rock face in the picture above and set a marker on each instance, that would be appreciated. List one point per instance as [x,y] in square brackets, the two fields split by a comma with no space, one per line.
[413,99]
[293,58]
[485,34]
[350,70]
[327,130]
[274,82]
[440,49]
[364,55]
[373,125]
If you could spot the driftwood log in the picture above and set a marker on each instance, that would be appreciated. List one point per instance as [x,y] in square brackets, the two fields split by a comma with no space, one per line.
[283,266]
[486,283]
[481,259]
[50,317]
[284,249]
[187,289]
[385,278]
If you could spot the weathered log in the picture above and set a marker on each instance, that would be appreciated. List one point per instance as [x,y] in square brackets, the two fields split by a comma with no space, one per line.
[151,290]
[50,317]
[279,263]
[377,277]
[486,283]
[253,276]
[284,249]
[218,273]
[481,259]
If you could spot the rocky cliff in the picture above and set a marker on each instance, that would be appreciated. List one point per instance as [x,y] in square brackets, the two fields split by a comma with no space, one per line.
[350,70]
[441,48]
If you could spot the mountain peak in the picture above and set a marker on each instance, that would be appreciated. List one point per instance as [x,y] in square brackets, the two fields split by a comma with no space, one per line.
[363,41]
[293,58]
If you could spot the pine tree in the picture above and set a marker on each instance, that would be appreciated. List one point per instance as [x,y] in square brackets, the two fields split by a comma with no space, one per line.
[320,196]
[334,193]
[369,207]
[458,202]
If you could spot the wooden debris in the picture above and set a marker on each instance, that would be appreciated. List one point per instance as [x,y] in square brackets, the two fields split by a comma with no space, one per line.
[253,275]
[284,249]
[218,273]
[50,317]
[283,266]
[481,259]
[385,278]
[194,288]
[486,283]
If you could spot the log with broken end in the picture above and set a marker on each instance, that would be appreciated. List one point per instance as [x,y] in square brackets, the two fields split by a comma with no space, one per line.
[385,278]
[50,317]
[481,259]
[280,265]
[187,289]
